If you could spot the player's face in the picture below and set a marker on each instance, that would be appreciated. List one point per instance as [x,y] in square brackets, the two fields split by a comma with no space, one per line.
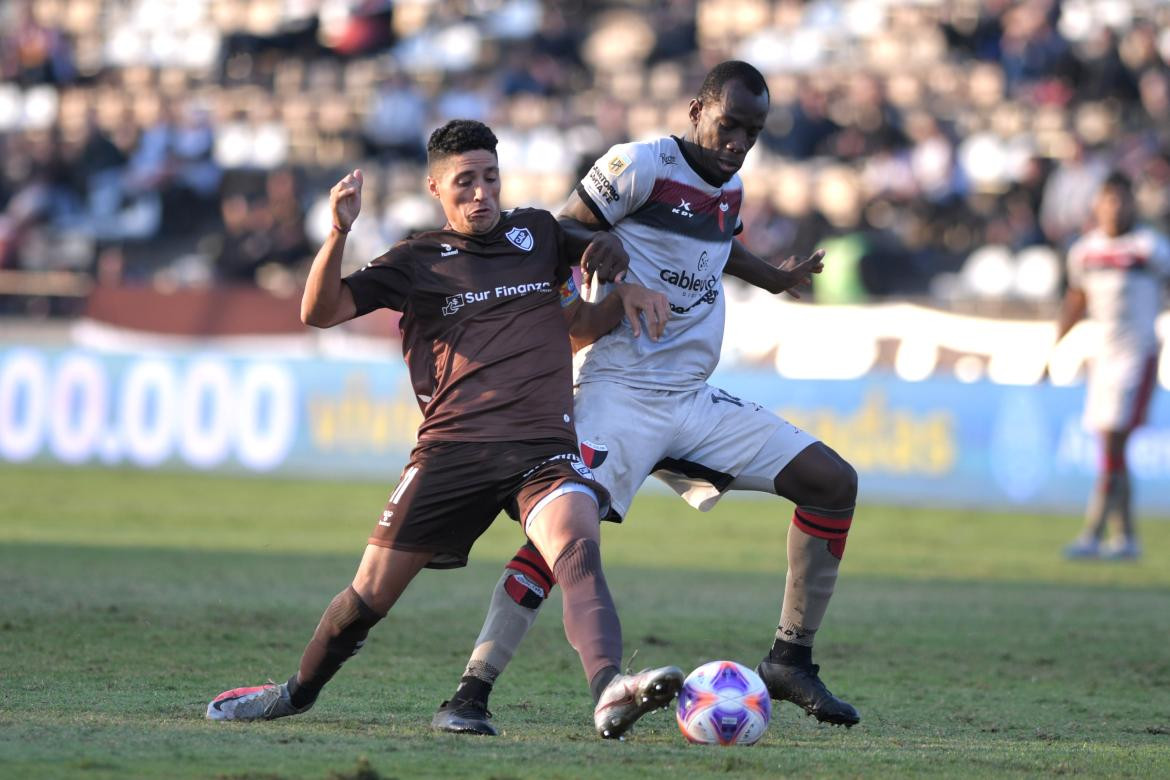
[468,188]
[725,130]
[1113,210]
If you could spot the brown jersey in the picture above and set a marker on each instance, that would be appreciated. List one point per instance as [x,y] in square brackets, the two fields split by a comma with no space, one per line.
[482,330]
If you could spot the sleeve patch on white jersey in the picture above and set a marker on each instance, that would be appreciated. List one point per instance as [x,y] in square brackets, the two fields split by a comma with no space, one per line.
[618,163]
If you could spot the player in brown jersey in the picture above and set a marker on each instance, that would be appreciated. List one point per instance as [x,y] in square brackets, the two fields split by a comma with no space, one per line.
[488,307]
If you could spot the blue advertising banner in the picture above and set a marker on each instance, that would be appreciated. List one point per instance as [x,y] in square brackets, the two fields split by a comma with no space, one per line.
[941,442]
[938,442]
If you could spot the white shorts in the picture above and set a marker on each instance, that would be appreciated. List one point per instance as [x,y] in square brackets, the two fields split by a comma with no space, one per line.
[701,442]
[1119,391]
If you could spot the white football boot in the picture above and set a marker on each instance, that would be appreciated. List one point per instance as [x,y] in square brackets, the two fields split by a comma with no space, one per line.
[630,696]
[260,702]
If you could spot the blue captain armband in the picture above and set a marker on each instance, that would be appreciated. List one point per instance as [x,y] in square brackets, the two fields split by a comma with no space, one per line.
[569,293]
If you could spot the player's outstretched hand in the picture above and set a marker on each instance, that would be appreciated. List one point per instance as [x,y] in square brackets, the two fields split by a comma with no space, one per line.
[605,258]
[797,271]
[345,199]
[645,305]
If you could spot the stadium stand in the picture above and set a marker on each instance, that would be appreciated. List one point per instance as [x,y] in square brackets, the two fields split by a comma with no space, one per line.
[936,144]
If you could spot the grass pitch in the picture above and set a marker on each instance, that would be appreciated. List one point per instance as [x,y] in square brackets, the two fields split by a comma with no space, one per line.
[970,647]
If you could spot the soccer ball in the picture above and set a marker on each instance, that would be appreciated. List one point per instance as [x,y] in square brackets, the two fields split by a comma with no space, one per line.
[723,703]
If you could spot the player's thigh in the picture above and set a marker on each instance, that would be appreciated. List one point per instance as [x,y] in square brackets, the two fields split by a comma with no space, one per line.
[726,443]
[568,517]
[623,432]
[446,499]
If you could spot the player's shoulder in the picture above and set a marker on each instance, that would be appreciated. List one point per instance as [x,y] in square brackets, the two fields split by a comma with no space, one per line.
[526,214]
[400,252]
[656,153]
[535,220]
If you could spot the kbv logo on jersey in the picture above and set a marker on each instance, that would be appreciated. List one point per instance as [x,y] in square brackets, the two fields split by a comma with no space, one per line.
[683,209]
[521,237]
[594,454]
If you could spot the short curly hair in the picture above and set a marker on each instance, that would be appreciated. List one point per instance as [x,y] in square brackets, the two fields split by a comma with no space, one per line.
[459,136]
[732,70]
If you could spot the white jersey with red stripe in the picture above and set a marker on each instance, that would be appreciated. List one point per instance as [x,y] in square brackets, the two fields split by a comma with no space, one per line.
[677,228]
[1122,277]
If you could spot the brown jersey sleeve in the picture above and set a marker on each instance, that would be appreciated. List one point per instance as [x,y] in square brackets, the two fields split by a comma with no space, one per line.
[383,283]
[565,257]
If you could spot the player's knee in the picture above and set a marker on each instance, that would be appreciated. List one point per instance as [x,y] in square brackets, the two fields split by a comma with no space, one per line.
[578,561]
[819,478]
[846,481]
[528,579]
[348,618]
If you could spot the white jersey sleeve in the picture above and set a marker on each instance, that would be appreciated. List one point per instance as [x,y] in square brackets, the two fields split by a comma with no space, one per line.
[619,182]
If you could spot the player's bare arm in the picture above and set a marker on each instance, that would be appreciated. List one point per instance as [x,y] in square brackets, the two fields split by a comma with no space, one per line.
[326,301]
[775,277]
[602,253]
[590,321]
[1072,310]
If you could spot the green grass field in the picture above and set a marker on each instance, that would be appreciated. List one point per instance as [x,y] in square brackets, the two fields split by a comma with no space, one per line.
[971,648]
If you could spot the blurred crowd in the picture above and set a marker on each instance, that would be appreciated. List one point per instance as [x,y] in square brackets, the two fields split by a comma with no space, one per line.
[944,151]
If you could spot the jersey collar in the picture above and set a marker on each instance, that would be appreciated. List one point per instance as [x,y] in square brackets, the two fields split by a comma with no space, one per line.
[694,166]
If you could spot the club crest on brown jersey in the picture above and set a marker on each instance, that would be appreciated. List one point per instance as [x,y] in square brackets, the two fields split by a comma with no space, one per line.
[520,237]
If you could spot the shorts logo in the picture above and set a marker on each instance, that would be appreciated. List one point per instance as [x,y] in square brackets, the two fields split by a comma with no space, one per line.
[580,467]
[521,237]
[386,518]
[594,454]
[728,398]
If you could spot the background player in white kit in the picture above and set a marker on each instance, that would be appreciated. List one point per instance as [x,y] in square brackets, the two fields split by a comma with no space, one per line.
[644,406]
[1115,274]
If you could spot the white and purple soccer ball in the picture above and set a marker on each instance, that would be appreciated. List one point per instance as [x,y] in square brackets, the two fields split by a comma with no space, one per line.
[723,703]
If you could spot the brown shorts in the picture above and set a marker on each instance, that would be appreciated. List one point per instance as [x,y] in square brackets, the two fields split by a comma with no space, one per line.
[450,492]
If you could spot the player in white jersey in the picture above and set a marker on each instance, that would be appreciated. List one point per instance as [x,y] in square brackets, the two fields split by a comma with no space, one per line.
[643,405]
[1115,275]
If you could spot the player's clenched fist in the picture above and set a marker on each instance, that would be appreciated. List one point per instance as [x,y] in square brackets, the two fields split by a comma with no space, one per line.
[345,199]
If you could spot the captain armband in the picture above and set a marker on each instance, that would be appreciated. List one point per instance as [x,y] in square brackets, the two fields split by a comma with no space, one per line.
[569,293]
